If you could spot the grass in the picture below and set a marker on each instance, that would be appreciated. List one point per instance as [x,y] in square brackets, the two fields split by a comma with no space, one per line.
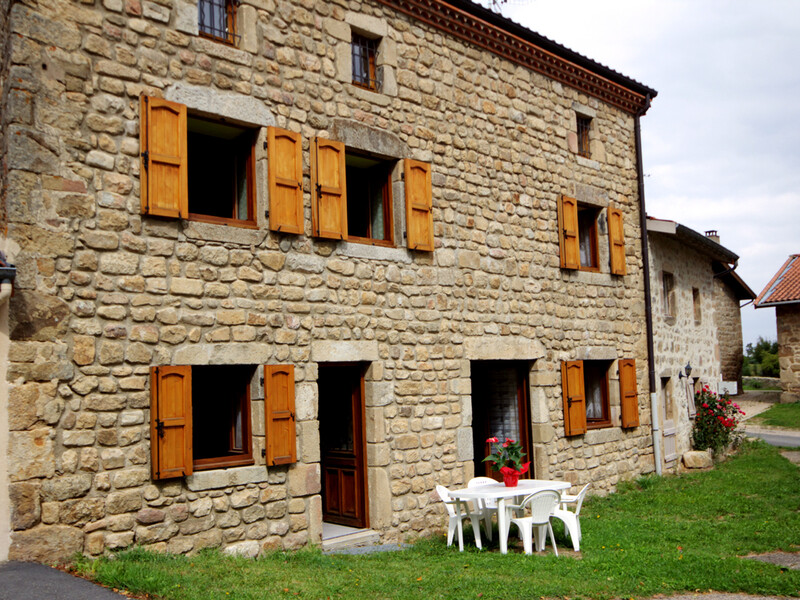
[655,536]
[780,415]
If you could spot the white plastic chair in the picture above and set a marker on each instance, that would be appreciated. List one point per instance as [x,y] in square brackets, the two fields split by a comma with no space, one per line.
[542,504]
[487,508]
[572,524]
[454,523]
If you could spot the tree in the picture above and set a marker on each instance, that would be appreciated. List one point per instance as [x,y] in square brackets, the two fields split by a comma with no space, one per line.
[761,359]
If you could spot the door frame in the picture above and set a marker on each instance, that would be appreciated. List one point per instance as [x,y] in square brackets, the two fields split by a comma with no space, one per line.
[358,406]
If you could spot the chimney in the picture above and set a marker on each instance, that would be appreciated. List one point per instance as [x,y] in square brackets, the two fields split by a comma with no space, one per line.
[713,235]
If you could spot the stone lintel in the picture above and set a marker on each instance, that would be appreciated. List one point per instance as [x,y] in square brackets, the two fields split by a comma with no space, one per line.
[502,348]
[344,351]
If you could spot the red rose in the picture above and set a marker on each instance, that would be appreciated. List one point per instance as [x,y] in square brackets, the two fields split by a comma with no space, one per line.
[492,440]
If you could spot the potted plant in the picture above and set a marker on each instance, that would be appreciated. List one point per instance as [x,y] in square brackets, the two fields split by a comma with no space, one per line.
[507,458]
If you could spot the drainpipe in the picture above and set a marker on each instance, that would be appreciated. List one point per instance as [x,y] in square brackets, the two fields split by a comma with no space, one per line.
[648,307]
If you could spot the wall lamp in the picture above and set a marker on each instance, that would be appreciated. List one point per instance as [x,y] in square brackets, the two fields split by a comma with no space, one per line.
[688,369]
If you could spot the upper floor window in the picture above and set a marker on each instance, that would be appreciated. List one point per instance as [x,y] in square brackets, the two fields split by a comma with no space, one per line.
[584,123]
[587,237]
[217,19]
[698,315]
[369,198]
[364,52]
[195,168]
[668,289]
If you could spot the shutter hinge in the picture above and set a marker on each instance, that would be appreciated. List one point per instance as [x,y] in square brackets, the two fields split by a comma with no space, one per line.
[263,453]
[146,157]
[265,144]
[160,428]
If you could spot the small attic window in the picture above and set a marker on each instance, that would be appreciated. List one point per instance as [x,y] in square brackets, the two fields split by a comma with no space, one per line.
[365,52]
[584,124]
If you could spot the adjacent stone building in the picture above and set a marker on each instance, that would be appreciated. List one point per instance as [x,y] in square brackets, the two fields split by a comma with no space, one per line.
[697,324]
[286,263]
[783,292]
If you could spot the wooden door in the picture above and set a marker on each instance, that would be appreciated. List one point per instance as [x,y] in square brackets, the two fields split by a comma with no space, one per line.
[343,451]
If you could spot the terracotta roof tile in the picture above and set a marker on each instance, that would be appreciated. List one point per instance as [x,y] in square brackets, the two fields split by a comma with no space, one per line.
[784,286]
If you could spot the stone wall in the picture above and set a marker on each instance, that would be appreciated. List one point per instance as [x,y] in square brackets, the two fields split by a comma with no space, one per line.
[728,320]
[788,320]
[683,339]
[104,293]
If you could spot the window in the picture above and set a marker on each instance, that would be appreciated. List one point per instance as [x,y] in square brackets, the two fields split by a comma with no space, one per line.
[499,407]
[578,242]
[352,197]
[667,398]
[200,417]
[216,19]
[364,52]
[584,123]
[369,199]
[668,289]
[221,181]
[221,416]
[195,167]
[696,304]
[585,392]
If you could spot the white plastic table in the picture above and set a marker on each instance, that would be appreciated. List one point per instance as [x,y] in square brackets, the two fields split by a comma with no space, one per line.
[499,492]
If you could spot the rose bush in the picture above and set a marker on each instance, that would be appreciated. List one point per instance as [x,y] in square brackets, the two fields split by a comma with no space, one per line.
[716,421]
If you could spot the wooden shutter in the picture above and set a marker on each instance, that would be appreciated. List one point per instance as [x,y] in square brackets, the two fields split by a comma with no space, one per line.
[164,188]
[629,397]
[284,152]
[280,419]
[616,241]
[328,189]
[574,397]
[569,244]
[171,421]
[419,205]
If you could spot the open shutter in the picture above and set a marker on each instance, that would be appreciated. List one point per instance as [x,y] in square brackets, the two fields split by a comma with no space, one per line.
[328,189]
[629,397]
[419,205]
[574,397]
[616,241]
[284,151]
[171,421]
[569,245]
[280,420]
[164,188]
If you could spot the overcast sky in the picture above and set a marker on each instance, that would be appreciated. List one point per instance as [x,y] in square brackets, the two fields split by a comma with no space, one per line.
[721,142]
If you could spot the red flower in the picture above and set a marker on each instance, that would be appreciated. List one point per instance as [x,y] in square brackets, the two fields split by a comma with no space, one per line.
[492,440]
[705,405]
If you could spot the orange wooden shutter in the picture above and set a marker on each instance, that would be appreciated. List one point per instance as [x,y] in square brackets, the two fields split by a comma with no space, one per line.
[569,245]
[328,189]
[616,240]
[419,205]
[629,397]
[574,397]
[171,421]
[164,188]
[284,150]
[279,408]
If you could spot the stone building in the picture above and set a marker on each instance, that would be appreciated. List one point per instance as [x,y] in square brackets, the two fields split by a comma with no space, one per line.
[286,263]
[783,292]
[697,324]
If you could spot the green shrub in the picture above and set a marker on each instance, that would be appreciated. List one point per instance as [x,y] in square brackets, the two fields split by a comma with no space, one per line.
[716,420]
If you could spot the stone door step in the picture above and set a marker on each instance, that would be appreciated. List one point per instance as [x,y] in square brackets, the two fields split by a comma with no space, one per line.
[357,539]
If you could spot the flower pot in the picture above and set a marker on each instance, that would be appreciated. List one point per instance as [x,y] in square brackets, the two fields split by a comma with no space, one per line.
[510,477]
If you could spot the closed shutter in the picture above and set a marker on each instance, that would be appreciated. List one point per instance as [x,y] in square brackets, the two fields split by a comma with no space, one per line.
[574,397]
[419,205]
[280,419]
[328,189]
[284,152]
[629,397]
[616,241]
[569,244]
[171,421]
[164,188]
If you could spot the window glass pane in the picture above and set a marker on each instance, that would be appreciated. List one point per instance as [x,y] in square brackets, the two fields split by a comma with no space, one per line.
[377,213]
[368,211]
[595,387]
[212,17]
[587,237]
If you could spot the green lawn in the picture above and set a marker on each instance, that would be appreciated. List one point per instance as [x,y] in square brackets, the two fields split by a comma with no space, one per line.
[655,536]
[780,415]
